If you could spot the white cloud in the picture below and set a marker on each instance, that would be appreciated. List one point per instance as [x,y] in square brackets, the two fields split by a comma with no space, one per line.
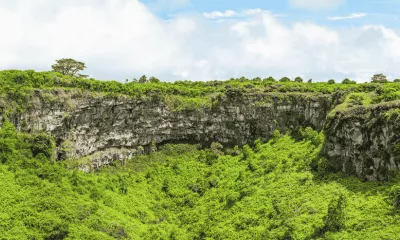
[316,4]
[252,11]
[231,13]
[121,39]
[162,5]
[217,14]
[353,15]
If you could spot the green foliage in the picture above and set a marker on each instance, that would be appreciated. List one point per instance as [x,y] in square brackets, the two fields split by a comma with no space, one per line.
[183,192]
[143,79]
[334,220]
[396,149]
[276,135]
[379,78]
[280,189]
[298,79]
[19,87]
[42,144]
[331,81]
[69,67]
[269,79]
[309,134]
[354,100]
[154,80]
[348,81]
[284,79]
[395,196]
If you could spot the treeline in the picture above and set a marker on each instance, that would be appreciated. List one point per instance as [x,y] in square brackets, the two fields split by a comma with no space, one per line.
[18,86]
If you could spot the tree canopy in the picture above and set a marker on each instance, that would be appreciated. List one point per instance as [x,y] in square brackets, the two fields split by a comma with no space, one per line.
[379,78]
[348,81]
[298,79]
[69,67]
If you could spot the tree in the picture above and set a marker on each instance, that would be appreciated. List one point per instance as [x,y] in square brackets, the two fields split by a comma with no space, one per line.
[298,79]
[348,81]
[269,79]
[143,79]
[331,81]
[284,79]
[257,79]
[379,78]
[154,80]
[243,79]
[396,80]
[69,67]
[335,218]
[310,80]
[394,194]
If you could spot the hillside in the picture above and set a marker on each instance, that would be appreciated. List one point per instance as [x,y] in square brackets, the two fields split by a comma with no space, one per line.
[235,159]
[97,122]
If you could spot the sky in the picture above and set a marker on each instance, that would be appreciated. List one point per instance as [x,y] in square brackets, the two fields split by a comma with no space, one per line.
[205,39]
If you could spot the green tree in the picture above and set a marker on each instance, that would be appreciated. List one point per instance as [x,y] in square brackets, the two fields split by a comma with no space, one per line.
[243,79]
[310,80]
[284,79]
[395,196]
[331,81]
[298,79]
[69,67]
[154,80]
[396,80]
[43,144]
[348,81]
[143,79]
[269,79]
[334,220]
[379,78]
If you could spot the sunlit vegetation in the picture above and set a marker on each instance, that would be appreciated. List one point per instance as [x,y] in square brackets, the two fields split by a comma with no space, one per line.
[280,189]
[274,190]
[19,85]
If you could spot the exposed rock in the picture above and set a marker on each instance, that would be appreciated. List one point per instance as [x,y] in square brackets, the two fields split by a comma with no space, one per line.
[97,123]
[362,141]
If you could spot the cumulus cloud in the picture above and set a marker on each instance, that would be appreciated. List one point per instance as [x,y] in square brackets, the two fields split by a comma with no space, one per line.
[353,15]
[217,14]
[162,5]
[316,4]
[120,39]
[231,13]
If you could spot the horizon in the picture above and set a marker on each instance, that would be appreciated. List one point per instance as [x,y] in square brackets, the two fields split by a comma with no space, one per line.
[204,40]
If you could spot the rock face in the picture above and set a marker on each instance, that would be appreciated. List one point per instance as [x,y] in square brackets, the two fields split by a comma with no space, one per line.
[361,141]
[85,125]
[365,141]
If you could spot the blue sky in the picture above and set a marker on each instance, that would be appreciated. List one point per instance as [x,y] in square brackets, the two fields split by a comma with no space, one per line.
[205,39]
[386,12]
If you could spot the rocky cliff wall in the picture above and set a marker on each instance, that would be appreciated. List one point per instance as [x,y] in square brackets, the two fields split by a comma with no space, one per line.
[108,128]
[365,141]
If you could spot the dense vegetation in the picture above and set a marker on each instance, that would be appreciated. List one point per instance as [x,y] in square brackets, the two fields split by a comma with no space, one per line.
[274,190]
[281,189]
[18,86]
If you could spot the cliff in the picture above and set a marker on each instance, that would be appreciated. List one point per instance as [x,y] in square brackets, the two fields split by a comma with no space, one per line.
[365,141]
[98,122]
[105,128]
